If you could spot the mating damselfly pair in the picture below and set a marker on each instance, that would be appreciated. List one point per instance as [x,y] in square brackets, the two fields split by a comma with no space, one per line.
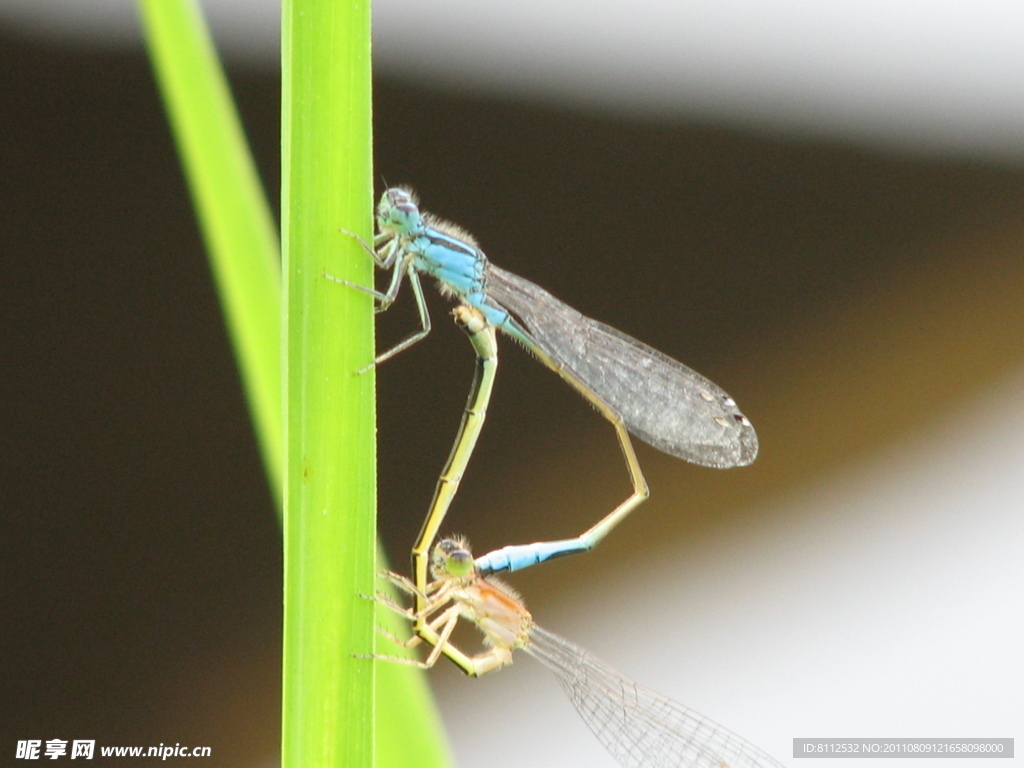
[636,388]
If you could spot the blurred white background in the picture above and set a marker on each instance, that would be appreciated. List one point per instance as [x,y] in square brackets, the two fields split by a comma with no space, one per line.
[919,75]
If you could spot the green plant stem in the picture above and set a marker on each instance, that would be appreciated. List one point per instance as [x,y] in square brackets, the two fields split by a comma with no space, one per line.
[328,548]
[329,488]
[233,213]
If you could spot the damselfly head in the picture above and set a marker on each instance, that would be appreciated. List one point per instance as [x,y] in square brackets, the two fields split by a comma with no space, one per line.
[451,559]
[398,211]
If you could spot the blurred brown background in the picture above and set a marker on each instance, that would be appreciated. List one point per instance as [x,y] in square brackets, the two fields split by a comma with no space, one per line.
[846,297]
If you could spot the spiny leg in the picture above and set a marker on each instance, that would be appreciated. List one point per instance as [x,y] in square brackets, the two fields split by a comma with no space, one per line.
[421,305]
[446,621]
[437,633]
[389,247]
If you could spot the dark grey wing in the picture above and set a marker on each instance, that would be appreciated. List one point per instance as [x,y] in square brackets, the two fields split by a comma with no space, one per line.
[663,402]
[638,726]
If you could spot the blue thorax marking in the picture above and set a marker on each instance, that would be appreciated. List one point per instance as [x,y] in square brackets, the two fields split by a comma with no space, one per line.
[460,266]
